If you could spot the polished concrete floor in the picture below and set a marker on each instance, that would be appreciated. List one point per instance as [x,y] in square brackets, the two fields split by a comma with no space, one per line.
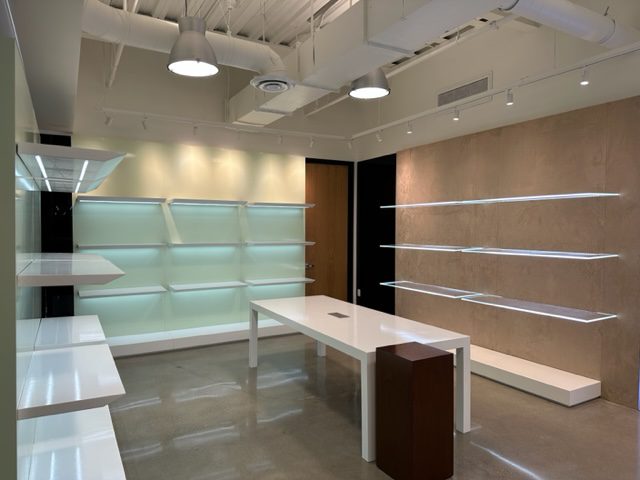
[202,414]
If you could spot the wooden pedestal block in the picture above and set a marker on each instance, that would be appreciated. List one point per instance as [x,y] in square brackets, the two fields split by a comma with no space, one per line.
[414,412]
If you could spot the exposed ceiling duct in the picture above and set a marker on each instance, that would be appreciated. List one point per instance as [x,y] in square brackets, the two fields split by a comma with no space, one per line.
[118,26]
[374,33]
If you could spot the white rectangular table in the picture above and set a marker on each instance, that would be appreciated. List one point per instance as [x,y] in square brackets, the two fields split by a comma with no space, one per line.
[358,334]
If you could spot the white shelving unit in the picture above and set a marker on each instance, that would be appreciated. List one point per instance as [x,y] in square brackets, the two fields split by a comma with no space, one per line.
[542,309]
[279,205]
[75,446]
[120,245]
[278,281]
[254,243]
[505,251]
[190,287]
[63,332]
[118,292]
[526,198]
[57,269]
[68,379]
[430,289]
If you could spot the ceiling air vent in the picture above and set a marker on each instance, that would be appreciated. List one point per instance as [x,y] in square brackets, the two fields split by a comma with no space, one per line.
[463,91]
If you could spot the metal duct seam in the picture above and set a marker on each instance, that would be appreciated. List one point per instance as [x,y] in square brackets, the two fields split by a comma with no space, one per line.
[117,26]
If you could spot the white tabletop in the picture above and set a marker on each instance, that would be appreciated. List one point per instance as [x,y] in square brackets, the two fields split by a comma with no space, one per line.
[67,379]
[76,446]
[361,332]
[61,332]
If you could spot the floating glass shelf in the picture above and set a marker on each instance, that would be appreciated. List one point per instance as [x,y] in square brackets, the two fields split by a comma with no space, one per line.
[430,289]
[279,242]
[486,201]
[541,253]
[211,203]
[204,244]
[190,287]
[542,309]
[278,281]
[136,200]
[279,205]
[119,245]
[505,251]
[434,248]
[117,292]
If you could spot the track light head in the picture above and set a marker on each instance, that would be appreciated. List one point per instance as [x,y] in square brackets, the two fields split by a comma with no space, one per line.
[456,115]
[509,101]
[584,79]
[409,128]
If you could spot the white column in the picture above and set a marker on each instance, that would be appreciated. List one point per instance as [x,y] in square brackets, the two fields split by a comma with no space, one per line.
[253,338]
[321,349]
[368,406]
[463,388]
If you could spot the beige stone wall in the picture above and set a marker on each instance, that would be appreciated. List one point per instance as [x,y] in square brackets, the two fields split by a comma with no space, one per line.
[594,149]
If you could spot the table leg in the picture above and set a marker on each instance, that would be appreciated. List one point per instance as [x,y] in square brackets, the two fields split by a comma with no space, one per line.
[368,406]
[321,349]
[253,338]
[463,389]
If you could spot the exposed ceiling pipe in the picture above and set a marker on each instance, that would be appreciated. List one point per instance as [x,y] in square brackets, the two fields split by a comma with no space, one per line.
[573,19]
[118,26]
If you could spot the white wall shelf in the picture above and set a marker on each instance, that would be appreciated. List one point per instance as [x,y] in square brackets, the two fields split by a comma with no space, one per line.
[430,289]
[210,203]
[542,309]
[505,251]
[47,270]
[63,332]
[278,281]
[205,244]
[556,385]
[75,446]
[190,287]
[118,292]
[433,248]
[68,379]
[255,243]
[119,245]
[122,200]
[487,201]
[279,205]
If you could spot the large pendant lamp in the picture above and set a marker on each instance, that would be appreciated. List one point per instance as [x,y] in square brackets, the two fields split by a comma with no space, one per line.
[372,85]
[192,54]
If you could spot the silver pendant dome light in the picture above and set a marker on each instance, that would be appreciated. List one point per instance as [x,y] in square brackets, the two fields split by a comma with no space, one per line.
[192,54]
[372,85]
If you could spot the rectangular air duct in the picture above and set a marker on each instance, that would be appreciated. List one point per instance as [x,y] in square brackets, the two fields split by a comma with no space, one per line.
[464,91]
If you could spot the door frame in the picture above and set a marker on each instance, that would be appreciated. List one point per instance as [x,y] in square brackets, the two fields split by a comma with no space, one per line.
[350,215]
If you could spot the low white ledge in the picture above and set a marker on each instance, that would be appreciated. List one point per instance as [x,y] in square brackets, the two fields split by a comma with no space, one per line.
[50,270]
[84,246]
[119,292]
[75,446]
[190,287]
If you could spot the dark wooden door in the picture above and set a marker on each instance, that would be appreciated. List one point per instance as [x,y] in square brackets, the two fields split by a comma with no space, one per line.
[327,224]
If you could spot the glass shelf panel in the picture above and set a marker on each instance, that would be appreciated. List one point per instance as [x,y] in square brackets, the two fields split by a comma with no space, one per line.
[430,289]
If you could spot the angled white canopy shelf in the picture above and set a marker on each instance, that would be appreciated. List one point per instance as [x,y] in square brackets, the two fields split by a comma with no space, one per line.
[133,200]
[211,203]
[58,168]
[278,281]
[75,446]
[57,269]
[118,292]
[68,379]
[190,287]
[505,251]
[279,205]
[527,198]
[430,289]
[542,309]
[63,332]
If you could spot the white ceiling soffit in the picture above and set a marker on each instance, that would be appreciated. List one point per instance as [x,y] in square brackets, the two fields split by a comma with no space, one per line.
[67,169]
[49,35]
[374,33]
